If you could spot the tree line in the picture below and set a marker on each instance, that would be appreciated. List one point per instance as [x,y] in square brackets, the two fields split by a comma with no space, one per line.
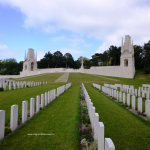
[110,57]
[10,67]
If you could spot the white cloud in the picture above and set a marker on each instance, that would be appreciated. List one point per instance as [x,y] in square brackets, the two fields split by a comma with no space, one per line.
[6,52]
[106,20]
[72,51]
[73,42]
[40,55]
[3,47]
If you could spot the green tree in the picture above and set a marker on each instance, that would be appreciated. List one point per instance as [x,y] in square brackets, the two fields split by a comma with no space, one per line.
[48,56]
[138,57]
[11,67]
[114,53]
[68,59]
[77,64]
[58,59]
[146,53]
[42,63]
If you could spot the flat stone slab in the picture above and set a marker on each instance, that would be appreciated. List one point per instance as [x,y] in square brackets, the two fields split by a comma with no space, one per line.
[63,78]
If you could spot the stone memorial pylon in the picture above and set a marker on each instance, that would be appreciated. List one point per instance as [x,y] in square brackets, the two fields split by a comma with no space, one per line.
[30,61]
[127,54]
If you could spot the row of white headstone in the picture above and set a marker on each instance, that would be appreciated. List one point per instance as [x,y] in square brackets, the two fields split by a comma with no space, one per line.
[143,91]
[97,86]
[97,126]
[19,84]
[45,99]
[121,96]
[61,89]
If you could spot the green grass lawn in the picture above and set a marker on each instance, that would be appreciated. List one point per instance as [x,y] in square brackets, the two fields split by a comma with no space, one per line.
[49,77]
[128,132]
[9,98]
[59,118]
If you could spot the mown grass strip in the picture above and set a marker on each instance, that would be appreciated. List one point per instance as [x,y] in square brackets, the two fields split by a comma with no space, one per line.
[51,77]
[9,98]
[127,131]
[59,118]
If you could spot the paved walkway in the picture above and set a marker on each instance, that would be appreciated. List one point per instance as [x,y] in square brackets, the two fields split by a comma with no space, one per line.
[63,78]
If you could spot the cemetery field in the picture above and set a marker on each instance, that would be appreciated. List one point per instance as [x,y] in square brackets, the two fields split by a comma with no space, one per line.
[127,131]
[9,98]
[59,118]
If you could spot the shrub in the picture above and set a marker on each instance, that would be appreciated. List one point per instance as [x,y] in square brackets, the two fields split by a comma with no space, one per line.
[86,124]
[1,89]
[147,71]
[83,117]
[85,131]
[7,130]
[86,121]
[84,110]
[81,97]
[88,137]
[7,122]
[89,128]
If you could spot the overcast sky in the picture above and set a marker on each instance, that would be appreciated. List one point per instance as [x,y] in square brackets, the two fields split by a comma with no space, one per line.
[79,27]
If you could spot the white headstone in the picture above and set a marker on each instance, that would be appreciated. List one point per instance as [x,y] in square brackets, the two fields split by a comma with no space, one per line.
[117,96]
[109,145]
[32,107]
[24,111]
[140,104]
[147,108]
[133,102]
[120,96]
[96,121]
[128,100]
[147,95]
[2,123]
[9,85]
[37,103]
[42,100]
[136,92]
[124,97]
[54,93]
[93,117]
[14,117]
[46,98]
[101,136]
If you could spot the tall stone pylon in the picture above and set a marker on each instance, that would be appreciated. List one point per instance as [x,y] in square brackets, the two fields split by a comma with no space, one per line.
[30,61]
[127,54]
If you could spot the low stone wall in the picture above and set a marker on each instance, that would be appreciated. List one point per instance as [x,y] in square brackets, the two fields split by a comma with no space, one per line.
[51,69]
[115,71]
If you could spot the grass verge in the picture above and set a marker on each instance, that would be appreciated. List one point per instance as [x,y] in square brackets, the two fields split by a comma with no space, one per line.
[127,131]
[59,118]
